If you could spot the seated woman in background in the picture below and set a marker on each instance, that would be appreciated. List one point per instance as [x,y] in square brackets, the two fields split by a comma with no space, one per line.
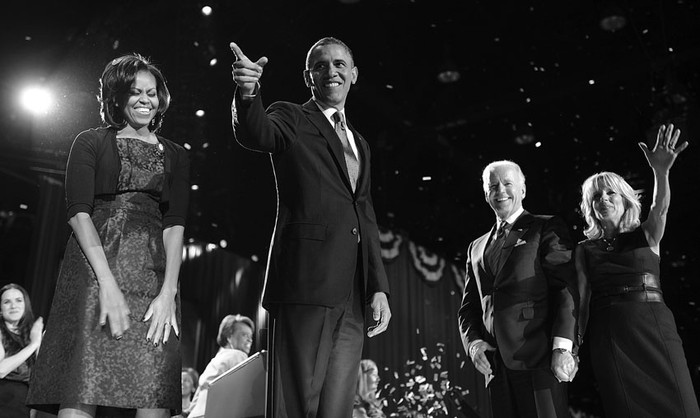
[235,339]
[366,404]
[189,378]
[20,336]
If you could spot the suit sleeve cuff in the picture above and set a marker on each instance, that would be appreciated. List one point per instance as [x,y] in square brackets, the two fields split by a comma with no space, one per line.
[251,97]
[564,343]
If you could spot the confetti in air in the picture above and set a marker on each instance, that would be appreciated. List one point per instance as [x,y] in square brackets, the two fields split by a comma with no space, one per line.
[423,389]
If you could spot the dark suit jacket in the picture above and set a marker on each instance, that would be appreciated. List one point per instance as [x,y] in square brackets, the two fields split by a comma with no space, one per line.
[315,249]
[529,300]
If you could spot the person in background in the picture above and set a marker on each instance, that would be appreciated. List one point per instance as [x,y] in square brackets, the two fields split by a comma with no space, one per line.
[111,336]
[366,404]
[518,318]
[20,339]
[189,378]
[636,353]
[235,340]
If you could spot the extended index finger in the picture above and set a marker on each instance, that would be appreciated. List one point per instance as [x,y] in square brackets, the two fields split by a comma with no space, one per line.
[237,51]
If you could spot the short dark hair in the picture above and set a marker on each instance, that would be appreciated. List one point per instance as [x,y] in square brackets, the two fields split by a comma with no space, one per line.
[115,85]
[228,327]
[328,40]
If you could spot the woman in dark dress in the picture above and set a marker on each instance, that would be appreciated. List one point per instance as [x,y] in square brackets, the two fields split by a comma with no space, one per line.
[636,353]
[110,339]
[20,338]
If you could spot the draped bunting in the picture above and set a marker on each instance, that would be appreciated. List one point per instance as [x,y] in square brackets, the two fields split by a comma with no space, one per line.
[390,243]
[430,266]
[427,263]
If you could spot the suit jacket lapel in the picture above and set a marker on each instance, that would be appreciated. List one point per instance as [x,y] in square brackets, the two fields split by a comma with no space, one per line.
[363,151]
[517,231]
[480,247]
[319,120]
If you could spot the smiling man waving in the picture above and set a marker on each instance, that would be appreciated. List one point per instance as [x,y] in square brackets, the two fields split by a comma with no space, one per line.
[324,265]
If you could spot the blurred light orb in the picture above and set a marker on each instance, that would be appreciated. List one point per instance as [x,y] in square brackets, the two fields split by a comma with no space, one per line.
[524,138]
[206,10]
[448,76]
[223,243]
[213,62]
[36,100]
[613,23]
[199,113]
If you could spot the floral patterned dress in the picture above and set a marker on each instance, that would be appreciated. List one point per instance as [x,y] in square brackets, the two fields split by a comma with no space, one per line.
[79,360]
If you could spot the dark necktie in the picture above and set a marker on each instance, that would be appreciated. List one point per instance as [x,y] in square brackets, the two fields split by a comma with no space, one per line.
[501,233]
[493,251]
[350,158]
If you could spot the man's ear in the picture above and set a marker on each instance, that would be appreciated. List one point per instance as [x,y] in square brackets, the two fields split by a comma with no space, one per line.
[308,80]
[355,73]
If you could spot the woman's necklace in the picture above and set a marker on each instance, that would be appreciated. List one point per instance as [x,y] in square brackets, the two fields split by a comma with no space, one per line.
[609,242]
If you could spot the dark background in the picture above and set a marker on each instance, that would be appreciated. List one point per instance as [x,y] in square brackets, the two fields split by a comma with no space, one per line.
[550,85]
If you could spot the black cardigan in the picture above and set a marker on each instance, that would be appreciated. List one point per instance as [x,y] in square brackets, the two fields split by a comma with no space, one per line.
[93,169]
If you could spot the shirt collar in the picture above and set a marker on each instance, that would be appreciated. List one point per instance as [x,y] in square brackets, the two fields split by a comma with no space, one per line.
[330,111]
[512,218]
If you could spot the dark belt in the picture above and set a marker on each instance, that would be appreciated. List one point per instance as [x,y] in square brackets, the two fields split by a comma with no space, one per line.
[642,288]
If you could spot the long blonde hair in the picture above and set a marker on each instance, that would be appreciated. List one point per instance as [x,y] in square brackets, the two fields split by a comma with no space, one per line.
[615,182]
[363,382]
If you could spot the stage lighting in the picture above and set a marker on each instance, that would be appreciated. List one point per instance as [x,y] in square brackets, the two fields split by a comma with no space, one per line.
[36,100]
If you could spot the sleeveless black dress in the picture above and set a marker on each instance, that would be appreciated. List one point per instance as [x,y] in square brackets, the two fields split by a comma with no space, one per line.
[80,361]
[636,353]
[14,386]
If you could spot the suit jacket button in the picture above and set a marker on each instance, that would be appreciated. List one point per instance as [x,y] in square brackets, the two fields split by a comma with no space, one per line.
[354,231]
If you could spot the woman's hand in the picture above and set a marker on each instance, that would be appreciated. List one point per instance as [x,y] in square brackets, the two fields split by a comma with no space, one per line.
[162,314]
[37,332]
[662,156]
[113,307]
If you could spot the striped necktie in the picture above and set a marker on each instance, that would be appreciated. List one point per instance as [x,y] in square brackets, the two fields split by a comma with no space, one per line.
[351,162]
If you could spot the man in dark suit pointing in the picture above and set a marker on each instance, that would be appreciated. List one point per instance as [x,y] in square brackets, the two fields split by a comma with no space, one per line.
[519,309]
[324,264]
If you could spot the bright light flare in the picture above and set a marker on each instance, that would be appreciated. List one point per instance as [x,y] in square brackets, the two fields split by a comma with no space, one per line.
[36,100]
[206,10]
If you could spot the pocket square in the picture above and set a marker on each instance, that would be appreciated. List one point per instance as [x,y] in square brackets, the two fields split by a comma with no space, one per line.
[520,242]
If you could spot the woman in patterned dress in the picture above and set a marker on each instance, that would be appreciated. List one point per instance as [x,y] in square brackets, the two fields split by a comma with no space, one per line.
[636,353]
[110,344]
